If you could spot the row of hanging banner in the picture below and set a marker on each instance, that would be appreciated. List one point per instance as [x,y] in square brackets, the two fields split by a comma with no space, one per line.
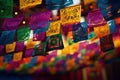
[58,45]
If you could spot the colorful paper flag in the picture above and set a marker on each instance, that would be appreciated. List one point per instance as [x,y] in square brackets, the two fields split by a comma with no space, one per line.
[53,4]
[54,42]
[95,18]
[110,9]
[7,37]
[12,23]
[106,43]
[39,49]
[29,3]
[54,28]
[17,56]
[39,37]
[112,26]
[10,47]
[40,20]
[70,15]
[23,34]
[19,46]
[8,58]
[28,52]
[6,8]
[80,32]
[101,31]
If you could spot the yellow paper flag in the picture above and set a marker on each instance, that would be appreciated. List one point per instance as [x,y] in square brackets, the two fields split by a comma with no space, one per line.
[10,47]
[54,28]
[70,14]
[29,3]
[101,31]
[17,56]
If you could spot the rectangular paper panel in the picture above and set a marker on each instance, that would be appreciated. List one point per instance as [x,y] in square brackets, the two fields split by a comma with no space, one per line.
[8,58]
[39,37]
[7,37]
[95,18]
[10,47]
[106,43]
[29,3]
[23,34]
[54,28]
[40,49]
[70,15]
[80,32]
[40,20]
[109,8]
[28,52]
[17,56]
[12,23]
[19,46]
[101,31]
[112,26]
[6,8]
[57,4]
[54,42]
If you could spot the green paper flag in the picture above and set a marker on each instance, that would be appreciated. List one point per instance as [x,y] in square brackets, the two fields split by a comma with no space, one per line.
[54,42]
[6,8]
[23,34]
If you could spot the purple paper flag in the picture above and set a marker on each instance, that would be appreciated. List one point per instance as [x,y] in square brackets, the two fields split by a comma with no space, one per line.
[12,23]
[39,37]
[19,46]
[28,53]
[95,18]
[40,20]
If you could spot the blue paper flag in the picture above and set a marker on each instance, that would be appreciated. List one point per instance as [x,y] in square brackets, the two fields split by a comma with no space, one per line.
[57,4]
[109,8]
[80,32]
[112,26]
[8,58]
[7,37]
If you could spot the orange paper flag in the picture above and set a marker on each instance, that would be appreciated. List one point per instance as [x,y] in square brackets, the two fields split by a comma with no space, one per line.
[17,56]
[101,31]
[29,3]
[54,28]
[70,14]
[10,47]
